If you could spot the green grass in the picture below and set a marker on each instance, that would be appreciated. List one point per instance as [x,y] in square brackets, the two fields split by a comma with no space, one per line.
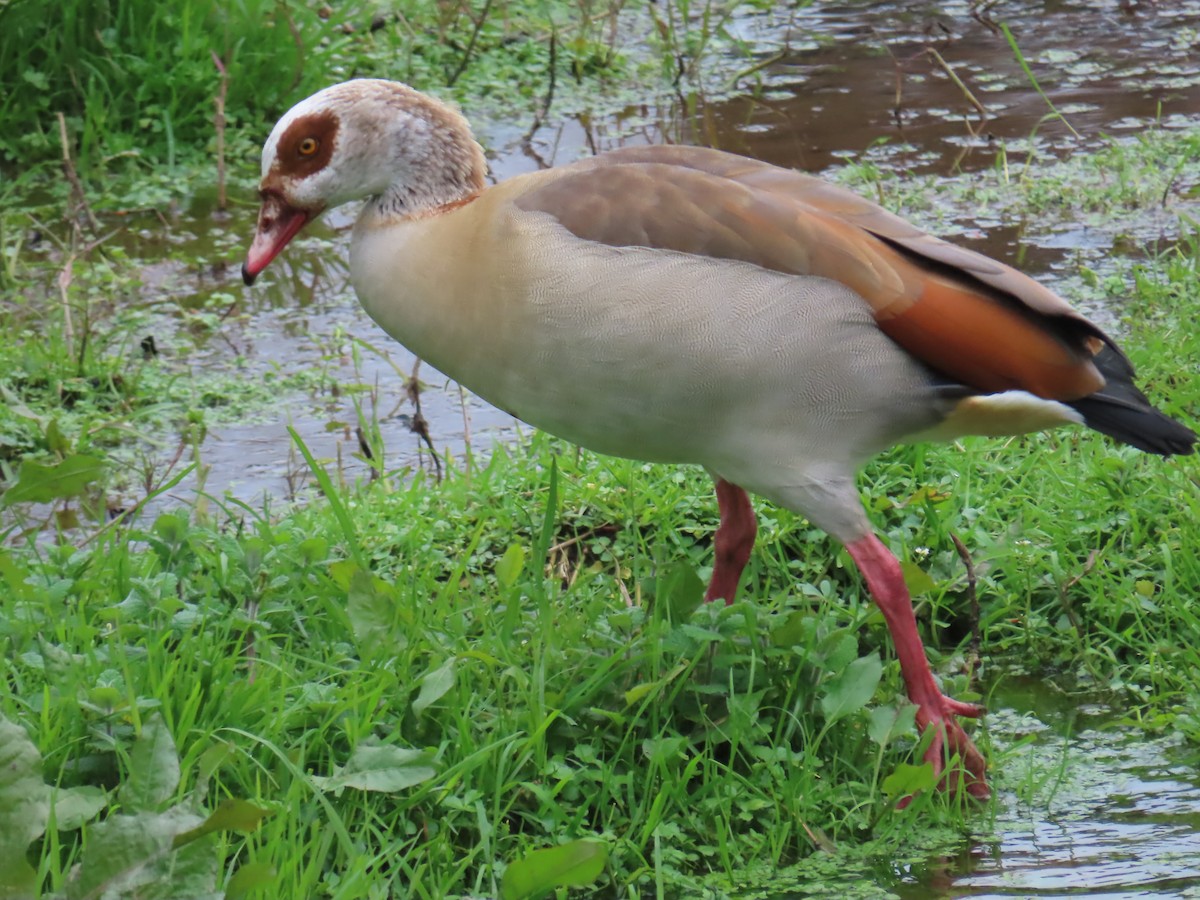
[1100,189]
[136,81]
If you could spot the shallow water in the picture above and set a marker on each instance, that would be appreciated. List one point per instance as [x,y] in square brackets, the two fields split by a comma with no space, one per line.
[1085,808]
[853,73]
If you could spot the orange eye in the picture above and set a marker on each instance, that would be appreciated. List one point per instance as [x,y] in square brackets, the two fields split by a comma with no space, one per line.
[308,146]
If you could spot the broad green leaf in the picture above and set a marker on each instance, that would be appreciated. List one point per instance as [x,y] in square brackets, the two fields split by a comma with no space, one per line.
[312,550]
[434,685]
[839,649]
[254,551]
[62,668]
[74,806]
[231,815]
[24,797]
[56,441]
[342,571]
[852,689]
[210,761]
[888,721]
[795,629]
[678,593]
[153,768]
[24,808]
[14,575]
[380,768]
[636,693]
[372,606]
[665,751]
[171,527]
[190,873]
[576,864]
[916,579]
[909,779]
[118,852]
[510,566]
[743,713]
[37,79]
[701,635]
[40,483]
[485,658]
[248,877]
[18,879]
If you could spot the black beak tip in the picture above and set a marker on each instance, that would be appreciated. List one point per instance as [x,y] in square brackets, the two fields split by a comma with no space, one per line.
[247,276]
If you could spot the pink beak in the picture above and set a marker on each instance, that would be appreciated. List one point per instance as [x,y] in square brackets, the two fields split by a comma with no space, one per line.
[278,223]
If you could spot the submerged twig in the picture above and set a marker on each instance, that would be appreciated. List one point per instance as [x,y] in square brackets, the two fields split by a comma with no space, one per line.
[219,125]
[541,114]
[419,426]
[972,596]
[72,176]
[1065,590]
[758,66]
[898,77]
[466,57]
[466,417]
[980,12]
[966,92]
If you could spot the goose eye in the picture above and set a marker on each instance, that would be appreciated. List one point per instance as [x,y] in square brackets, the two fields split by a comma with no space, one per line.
[308,146]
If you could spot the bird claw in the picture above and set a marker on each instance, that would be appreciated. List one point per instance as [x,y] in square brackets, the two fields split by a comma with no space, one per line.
[956,761]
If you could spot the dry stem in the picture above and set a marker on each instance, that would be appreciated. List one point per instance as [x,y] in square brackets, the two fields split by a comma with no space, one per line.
[971,98]
[219,125]
[78,195]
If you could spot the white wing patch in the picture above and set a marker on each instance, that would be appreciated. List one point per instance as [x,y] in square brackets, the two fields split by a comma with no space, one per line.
[997,415]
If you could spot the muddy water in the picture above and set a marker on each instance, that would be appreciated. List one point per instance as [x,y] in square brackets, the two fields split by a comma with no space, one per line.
[833,81]
[1086,807]
[302,316]
[853,74]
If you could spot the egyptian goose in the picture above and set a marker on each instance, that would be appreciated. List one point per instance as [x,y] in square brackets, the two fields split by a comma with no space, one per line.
[683,305]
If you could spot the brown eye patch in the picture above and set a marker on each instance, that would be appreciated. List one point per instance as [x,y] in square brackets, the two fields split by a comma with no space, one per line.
[307,144]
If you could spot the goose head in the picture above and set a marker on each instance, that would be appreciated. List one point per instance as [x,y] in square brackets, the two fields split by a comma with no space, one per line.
[405,153]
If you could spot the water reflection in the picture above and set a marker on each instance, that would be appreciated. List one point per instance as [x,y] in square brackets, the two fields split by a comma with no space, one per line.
[850,75]
[1105,813]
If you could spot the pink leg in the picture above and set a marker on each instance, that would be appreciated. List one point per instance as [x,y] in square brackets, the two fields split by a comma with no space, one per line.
[882,572]
[733,542]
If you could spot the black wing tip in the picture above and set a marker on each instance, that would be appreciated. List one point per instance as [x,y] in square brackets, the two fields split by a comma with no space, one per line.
[1139,425]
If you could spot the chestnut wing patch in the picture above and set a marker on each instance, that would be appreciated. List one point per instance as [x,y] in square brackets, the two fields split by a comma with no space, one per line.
[943,312]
